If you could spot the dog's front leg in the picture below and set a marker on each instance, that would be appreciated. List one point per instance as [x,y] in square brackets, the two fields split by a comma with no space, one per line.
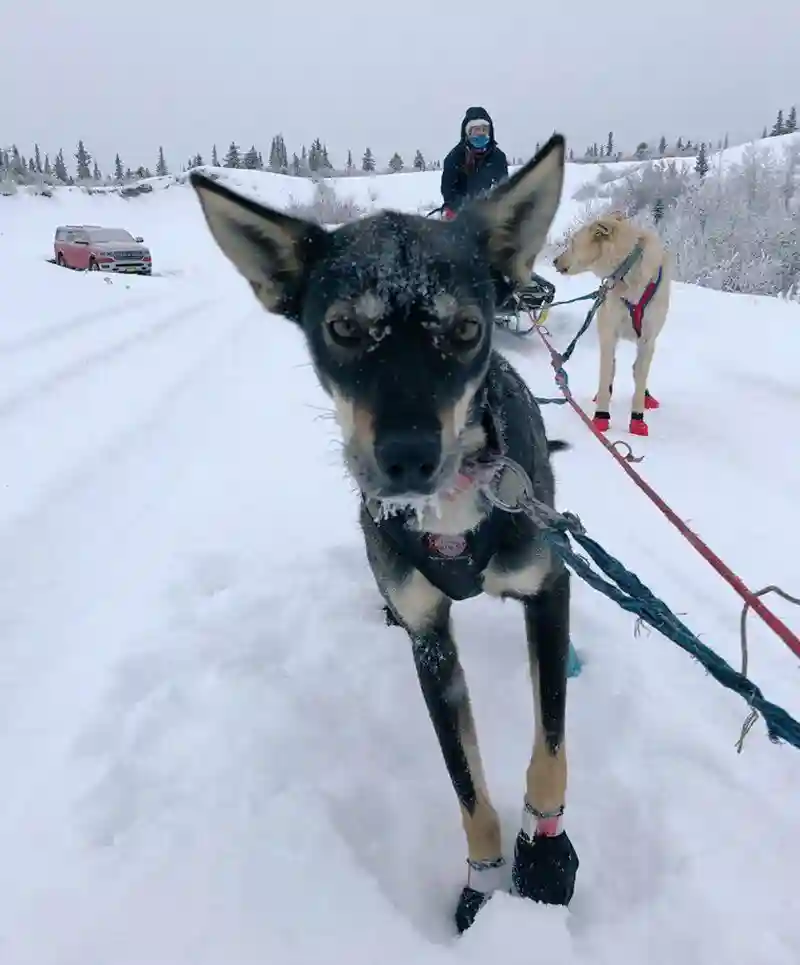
[605,384]
[425,614]
[545,862]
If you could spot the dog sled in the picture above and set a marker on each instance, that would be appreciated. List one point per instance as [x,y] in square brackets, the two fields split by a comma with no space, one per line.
[526,307]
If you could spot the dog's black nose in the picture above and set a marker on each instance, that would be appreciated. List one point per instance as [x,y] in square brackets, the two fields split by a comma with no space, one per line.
[409,460]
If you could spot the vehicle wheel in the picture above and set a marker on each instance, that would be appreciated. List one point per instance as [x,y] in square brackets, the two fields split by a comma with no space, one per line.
[60,261]
[93,266]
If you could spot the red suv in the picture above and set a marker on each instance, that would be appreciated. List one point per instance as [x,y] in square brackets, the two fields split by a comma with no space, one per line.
[92,248]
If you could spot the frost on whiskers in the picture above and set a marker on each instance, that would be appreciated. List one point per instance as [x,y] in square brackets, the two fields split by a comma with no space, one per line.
[420,507]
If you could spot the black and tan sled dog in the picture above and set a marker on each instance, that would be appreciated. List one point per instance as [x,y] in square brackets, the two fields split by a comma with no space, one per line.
[398,315]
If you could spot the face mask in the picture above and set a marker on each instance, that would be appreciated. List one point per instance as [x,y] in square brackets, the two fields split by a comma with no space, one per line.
[479,141]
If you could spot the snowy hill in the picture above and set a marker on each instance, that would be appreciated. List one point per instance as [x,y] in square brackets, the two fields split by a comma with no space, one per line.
[214,752]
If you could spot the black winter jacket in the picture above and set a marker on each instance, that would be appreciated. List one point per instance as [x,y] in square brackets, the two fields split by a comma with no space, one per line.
[467,173]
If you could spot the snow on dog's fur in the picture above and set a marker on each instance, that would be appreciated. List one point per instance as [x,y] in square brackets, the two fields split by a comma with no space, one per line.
[600,247]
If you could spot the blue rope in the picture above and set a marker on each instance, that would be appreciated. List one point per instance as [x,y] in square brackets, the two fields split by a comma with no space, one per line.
[632,595]
[565,355]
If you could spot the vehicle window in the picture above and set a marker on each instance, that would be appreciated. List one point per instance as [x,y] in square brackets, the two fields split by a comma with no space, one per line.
[61,234]
[110,234]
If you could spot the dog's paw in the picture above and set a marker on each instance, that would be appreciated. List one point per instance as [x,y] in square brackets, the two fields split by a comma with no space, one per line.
[601,421]
[389,617]
[470,903]
[638,426]
[545,868]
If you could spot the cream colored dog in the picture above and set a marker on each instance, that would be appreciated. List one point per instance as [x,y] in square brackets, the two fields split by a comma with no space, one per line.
[634,309]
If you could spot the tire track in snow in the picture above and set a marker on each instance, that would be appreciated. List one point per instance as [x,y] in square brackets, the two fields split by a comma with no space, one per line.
[53,333]
[73,371]
[29,538]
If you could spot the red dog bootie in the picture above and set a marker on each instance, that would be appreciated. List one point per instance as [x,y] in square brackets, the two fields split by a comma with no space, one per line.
[650,401]
[601,421]
[638,426]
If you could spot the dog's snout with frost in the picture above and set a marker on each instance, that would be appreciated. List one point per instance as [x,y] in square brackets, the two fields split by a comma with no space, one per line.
[560,263]
[409,461]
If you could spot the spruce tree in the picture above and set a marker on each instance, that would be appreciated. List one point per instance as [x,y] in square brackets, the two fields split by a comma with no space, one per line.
[395,163]
[662,146]
[701,164]
[83,159]
[250,160]
[419,161]
[96,175]
[368,161]
[60,168]
[119,175]
[214,157]
[232,158]
[791,121]
[37,159]
[161,164]
[778,127]
[610,144]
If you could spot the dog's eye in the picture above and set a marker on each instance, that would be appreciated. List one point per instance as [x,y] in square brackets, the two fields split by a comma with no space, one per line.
[345,332]
[466,332]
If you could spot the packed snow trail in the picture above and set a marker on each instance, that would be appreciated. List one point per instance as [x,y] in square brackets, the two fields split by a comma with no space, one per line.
[215,752]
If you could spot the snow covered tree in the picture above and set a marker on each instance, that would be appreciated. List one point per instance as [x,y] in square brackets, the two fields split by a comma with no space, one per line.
[37,159]
[349,166]
[701,164]
[47,171]
[161,165]
[83,159]
[250,160]
[60,168]
[419,161]
[368,161]
[96,175]
[662,146]
[232,158]
[395,163]
[791,121]
[296,168]
[658,210]
[610,144]
[119,175]
[779,127]
[641,151]
[214,157]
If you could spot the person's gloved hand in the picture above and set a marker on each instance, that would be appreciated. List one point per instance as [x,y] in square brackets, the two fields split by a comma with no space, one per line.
[448,214]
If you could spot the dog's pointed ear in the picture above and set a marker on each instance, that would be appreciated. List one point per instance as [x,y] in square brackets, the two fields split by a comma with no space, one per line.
[272,250]
[519,211]
[603,228]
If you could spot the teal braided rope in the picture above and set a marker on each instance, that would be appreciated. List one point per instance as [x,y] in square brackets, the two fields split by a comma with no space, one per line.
[632,595]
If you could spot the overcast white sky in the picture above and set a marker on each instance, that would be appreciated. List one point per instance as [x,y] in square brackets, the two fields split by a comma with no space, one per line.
[129,75]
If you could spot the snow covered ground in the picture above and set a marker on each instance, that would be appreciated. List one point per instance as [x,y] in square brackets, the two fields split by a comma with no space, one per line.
[214,752]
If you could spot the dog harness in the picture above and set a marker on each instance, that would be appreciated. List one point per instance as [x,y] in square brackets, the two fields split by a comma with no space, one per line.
[636,311]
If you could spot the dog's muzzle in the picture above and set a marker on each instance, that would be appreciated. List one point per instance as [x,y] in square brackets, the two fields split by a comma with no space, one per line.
[410,462]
